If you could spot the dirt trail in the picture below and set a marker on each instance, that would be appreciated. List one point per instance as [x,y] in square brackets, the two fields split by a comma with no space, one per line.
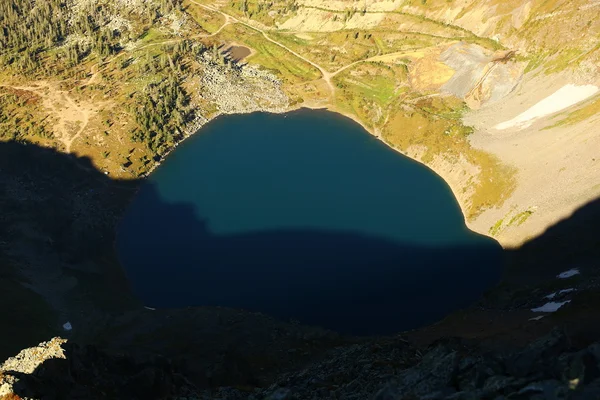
[72,117]
[96,72]
[385,58]
[227,22]
[326,74]
[79,113]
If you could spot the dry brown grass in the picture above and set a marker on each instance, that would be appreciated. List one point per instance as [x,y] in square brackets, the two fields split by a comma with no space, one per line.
[208,21]
[10,396]
[434,126]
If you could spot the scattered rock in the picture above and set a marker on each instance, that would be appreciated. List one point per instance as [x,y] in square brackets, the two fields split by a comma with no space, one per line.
[377,369]
[240,89]
[61,370]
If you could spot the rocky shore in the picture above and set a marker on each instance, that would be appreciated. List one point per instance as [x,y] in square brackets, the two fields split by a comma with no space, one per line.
[230,89]
[235,89]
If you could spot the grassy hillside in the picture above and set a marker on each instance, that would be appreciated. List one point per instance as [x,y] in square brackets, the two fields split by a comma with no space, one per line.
[120,86]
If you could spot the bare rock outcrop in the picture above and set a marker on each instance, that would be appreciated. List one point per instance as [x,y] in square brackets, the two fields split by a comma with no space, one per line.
[481,76]
[379,369]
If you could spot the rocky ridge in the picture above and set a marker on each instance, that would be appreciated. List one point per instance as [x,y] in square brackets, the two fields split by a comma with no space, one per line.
[454,370]
[552,367]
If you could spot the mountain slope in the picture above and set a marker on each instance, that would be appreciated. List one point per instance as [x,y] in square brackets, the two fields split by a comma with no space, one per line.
[498,97]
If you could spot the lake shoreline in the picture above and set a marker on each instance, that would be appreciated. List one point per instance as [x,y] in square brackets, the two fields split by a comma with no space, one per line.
[195,127]
[285,193]
[377,135]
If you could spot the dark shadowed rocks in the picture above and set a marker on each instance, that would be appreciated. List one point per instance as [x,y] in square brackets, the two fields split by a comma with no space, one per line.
[455,370]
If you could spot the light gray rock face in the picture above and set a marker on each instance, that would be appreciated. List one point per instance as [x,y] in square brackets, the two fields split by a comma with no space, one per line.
[240,89]
[481,76]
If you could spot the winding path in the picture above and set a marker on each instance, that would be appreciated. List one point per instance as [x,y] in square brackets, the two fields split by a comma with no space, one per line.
[64,108]
[81,114]
[94,69]
[326,74]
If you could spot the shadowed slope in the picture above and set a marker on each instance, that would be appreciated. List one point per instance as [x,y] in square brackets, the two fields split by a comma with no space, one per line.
[58,218]
[56,232]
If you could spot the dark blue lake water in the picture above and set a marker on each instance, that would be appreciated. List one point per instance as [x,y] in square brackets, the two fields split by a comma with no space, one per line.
[303,216]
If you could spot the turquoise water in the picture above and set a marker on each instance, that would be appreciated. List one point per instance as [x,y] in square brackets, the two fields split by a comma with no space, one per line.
[303,216]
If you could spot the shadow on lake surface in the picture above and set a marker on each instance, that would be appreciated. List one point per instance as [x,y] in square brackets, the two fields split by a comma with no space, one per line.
[344,281]
[73,208]
[304,216]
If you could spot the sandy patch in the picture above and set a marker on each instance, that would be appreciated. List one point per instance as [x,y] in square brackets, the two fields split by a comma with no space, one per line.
[72,116]
[520,15]
[563,98]
[558,168]
[428,73]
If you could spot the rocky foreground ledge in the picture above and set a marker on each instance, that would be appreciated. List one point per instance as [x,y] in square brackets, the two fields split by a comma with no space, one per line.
[390,369]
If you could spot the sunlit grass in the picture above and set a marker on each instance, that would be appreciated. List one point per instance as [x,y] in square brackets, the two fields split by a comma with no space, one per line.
[151,35]
[589,110]
[334,50]
[271,56]
[208,20]
[368,89]
[448,137]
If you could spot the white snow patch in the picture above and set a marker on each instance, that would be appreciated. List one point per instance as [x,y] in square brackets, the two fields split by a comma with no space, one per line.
[568,274]
[536,318]
[67,326]
[553,295]
[559,100]
[150,308]
[550,307]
